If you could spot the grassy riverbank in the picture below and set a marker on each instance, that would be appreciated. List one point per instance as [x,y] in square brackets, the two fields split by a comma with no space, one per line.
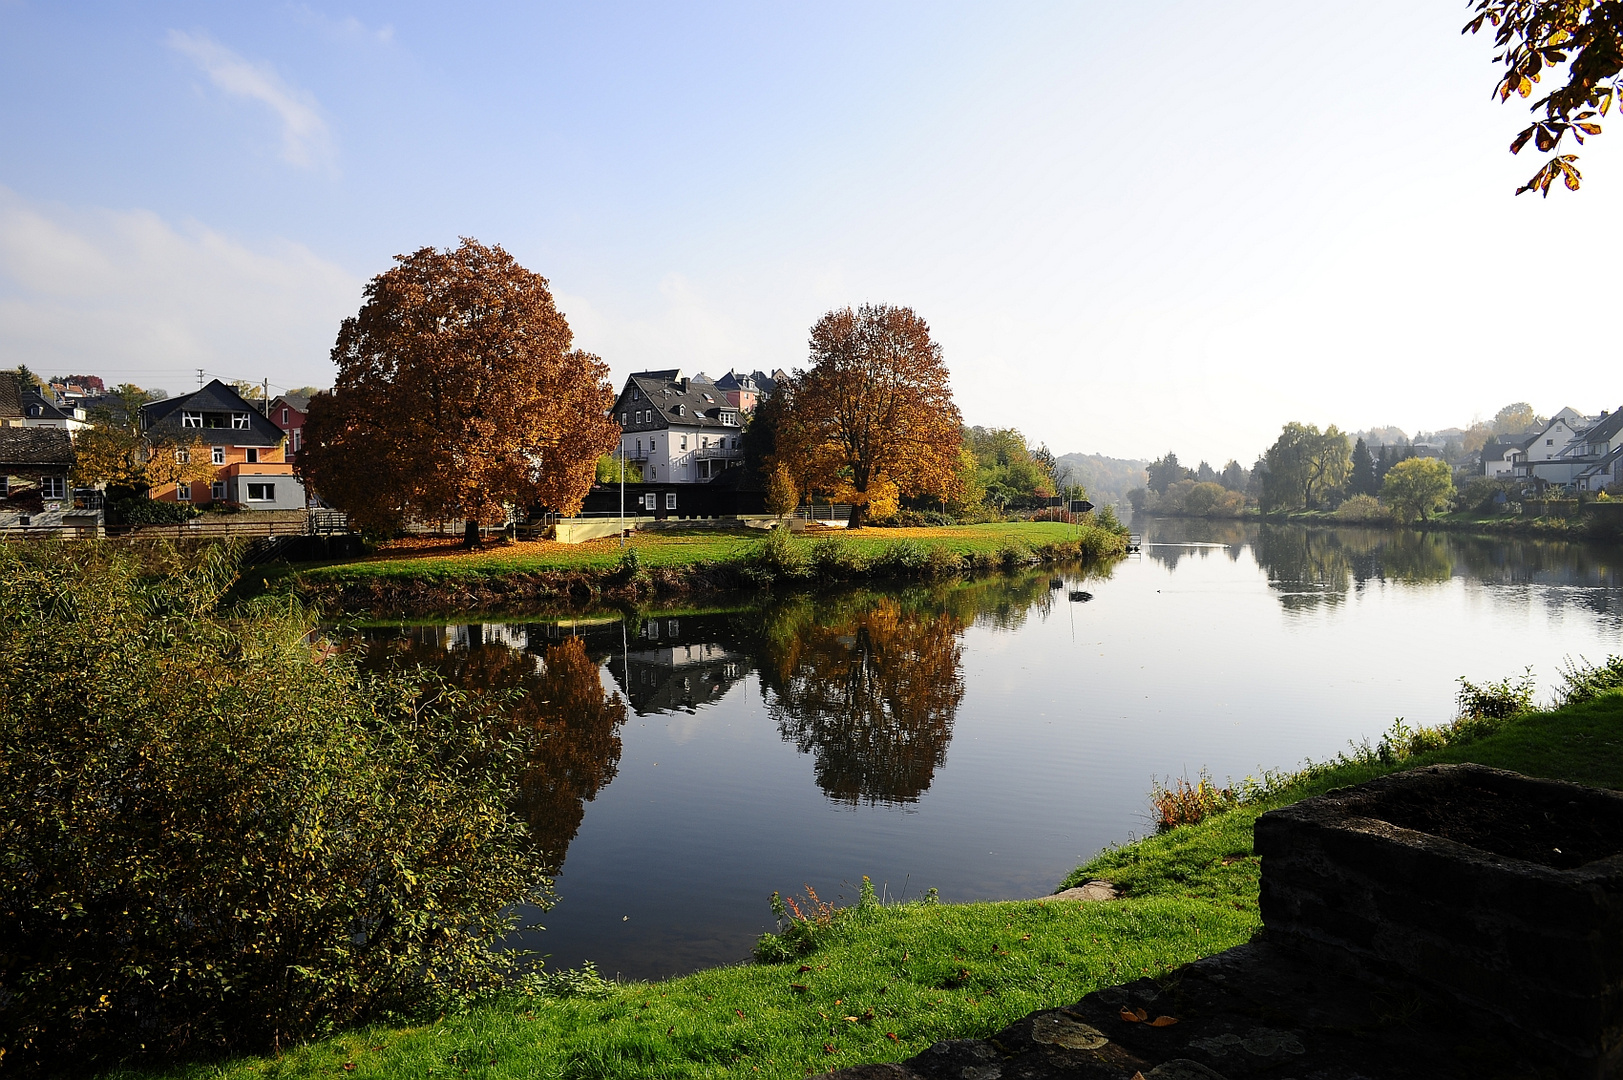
[425,576]
[876,982]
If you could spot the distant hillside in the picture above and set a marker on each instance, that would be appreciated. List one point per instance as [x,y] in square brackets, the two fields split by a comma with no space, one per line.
[1107,479]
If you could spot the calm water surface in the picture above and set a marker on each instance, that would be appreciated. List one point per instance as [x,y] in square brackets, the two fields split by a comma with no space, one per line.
[986,737]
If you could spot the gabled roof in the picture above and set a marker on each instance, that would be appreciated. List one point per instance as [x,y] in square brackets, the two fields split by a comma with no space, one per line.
[1495,449]
[1603,465]
[677,402]
[293,401]
[24,447]
[1606,429]
[165,418]
[36,406]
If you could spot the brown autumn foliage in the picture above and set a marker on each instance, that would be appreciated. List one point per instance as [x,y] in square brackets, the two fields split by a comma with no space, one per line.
[559,698]
[872,697]
[873,419]
[459,391]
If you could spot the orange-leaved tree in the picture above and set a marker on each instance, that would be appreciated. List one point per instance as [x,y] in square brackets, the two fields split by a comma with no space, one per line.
[872,420]
[459,393]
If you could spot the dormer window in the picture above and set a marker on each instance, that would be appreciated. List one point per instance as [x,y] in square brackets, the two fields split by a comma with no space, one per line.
[636,395]
[681,410]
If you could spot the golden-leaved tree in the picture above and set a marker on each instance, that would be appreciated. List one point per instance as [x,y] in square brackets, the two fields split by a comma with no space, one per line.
[114,451]
[872,420]
[459,392]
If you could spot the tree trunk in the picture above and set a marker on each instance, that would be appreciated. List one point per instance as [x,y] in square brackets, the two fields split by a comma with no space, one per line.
[470,533]
[859,513]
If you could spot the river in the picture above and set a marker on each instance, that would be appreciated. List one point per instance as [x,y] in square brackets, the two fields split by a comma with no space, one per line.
[984,737]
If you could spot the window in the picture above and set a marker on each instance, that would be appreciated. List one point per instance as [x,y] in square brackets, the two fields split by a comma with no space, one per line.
[253,455]
[684,442]
[681,410]
[639,446]
[191,419]
[284,416]
[239,420]
[623,420]
[670,500]
[182,457]
[1549,442]
[219,455]
[650,501]
[298,439]
[636,395]
[217,491]
[261,492]
[704,442]
[735,442]
[183,492]
[53,487]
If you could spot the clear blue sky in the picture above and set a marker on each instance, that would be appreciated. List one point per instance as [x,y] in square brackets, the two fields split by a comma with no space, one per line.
[1131,226]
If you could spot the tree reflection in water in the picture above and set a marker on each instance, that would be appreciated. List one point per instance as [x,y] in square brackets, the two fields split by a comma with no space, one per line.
[558,695]
[871,693]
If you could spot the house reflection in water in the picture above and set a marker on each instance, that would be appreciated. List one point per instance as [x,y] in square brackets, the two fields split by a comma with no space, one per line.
[662,670]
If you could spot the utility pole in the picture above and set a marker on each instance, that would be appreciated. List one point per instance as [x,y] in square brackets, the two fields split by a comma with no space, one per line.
[264,399]
[200,378]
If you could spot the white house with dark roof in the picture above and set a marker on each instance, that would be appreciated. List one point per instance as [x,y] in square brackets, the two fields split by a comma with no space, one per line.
[679,430]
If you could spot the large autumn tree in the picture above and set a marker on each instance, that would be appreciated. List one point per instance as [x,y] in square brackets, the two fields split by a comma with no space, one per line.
[459,392]
[873,418]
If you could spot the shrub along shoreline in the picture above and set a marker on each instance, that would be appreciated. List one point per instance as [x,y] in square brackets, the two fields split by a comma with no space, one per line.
[685,564]
[876,981]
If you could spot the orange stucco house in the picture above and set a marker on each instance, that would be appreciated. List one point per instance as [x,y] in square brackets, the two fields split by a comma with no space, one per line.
[247,448]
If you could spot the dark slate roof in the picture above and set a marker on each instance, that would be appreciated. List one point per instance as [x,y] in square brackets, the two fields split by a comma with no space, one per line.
[22,447]
[1608,427]
[164,418]
[676,402]
[36,406]
[295,401]
[1495,449]
[10,396]
[111,404]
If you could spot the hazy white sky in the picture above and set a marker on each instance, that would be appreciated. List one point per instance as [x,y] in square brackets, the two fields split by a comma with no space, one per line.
[1132,227]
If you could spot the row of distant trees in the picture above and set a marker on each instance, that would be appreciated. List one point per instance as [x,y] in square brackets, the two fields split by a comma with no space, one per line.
[1310,469]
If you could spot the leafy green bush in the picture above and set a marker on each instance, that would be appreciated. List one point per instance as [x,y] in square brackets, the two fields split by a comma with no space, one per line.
[216,835]
[779,557]
[832,559]
[143,511]
[1362,508]
[1585,682]
[1495,700]
[904,558]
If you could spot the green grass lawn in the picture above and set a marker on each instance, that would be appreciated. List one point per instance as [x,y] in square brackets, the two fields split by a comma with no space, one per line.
[666,548]
[880,983]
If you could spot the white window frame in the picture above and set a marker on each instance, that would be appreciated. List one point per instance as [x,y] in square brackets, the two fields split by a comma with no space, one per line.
[183,457]
[217,491]
[284,416]
[191,419]
[251,455]
[670,500]
[239,421]
[650,501]
[684,442]
[183,492]
[218,455]
[269,496]
[53,487]
[623,418]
